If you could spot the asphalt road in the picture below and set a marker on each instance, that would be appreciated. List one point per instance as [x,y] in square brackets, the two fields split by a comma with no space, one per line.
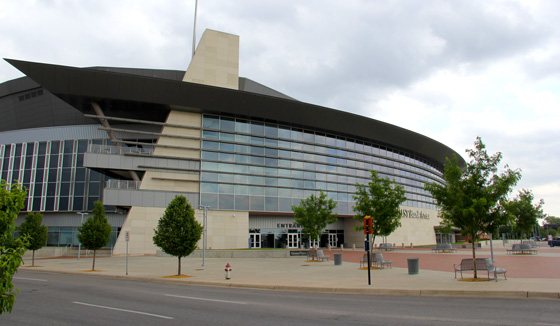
[65,299]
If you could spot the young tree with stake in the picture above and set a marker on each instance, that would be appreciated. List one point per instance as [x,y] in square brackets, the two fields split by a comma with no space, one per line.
[178,231]
[95,233]
[470,198]
[35,231]
[314,214]
[381,199]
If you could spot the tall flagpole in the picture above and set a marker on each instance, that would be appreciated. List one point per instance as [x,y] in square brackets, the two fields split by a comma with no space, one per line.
[194,28]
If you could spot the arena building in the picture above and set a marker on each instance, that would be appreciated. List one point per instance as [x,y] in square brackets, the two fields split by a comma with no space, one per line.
[239,151]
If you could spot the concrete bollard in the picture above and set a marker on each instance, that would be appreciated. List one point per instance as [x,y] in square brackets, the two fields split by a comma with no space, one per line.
[403,245]
[411,246]
[354,246]
[341,247]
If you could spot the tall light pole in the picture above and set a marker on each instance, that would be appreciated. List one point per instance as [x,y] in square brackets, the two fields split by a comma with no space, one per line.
[81,223]
[204,229]
[194,28]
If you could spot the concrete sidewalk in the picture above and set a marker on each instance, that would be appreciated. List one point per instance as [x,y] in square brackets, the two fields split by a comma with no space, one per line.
[297,274]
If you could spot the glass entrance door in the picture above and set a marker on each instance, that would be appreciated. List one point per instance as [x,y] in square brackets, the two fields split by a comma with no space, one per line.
[293,240]
[255,240]
[333,240]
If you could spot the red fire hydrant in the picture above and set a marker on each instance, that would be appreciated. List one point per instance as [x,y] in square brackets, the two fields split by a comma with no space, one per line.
[228,270]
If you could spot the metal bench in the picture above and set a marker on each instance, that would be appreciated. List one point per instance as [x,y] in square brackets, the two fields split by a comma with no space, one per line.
[522,249]
[496,270]
[444,247]
[379,261]
[322,256]
[526,248]
[468,264]
[387,246]
[364,261]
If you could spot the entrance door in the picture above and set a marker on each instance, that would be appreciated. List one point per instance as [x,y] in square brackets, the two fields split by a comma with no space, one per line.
[293,240]
[255,240]
[333,240]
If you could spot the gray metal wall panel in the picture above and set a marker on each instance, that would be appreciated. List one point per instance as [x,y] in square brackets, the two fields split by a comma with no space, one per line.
[73,219]
[145,198]
[65,133]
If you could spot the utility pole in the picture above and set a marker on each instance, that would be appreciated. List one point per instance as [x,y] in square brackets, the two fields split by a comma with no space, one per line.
[204,231]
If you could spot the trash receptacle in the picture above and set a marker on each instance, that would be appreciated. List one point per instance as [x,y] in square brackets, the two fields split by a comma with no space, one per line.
[413,265]
[338,259]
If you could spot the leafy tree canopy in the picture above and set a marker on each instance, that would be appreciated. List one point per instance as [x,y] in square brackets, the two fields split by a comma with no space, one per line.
[470,198]
[552,220]
[381,199]
[12,200]
[178,231]
[314,214]
[522,211]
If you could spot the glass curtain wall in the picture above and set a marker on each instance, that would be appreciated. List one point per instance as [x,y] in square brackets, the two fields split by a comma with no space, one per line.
[255,166]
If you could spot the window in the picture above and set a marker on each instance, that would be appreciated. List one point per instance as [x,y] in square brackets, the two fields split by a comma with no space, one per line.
[207,134]
[210,122]
[257,128]
[227,124]
[271,130]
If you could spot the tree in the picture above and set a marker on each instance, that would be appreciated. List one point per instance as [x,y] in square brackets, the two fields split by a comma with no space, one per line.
[552,220]
[314,214]
[470,198]
[35,231]
[522,211]
[178,231]
[12,199]
[380,199]
[95,233]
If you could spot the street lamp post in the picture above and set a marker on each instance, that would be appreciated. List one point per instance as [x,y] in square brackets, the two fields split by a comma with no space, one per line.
[204,229]
[81,223]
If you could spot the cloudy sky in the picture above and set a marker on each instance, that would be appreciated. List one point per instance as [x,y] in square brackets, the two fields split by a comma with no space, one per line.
[451,70]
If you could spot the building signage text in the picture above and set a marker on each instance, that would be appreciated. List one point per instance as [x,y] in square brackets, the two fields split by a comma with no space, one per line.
[408,213]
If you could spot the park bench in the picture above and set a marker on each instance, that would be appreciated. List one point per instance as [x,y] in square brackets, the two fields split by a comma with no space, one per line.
[379,261]
[364,261]
[386,246]
[444,247]
[522,249]
[526,248]
[467,265]
[322,256]
[312,254]
[516,248]
[493,269]
[376,260]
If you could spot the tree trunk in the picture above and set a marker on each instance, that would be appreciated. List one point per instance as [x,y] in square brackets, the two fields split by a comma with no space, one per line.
[179,266]
[93,267]
[33,259]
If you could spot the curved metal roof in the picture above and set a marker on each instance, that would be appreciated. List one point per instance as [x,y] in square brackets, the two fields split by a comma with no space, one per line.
[150,98]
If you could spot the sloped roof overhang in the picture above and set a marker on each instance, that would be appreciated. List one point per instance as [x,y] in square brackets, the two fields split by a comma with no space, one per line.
[142,97]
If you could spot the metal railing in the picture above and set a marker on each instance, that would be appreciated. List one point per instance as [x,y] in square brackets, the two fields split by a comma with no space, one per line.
[119,150]
[122,184]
